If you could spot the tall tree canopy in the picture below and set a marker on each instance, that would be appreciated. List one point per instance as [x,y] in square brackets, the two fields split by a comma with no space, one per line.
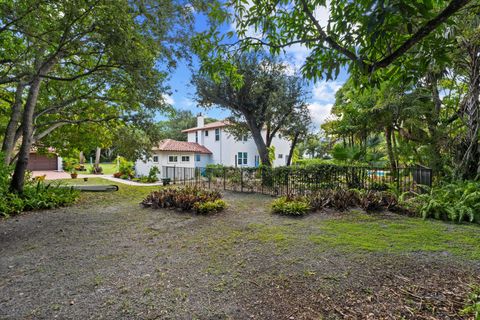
[268,98]
[69,62]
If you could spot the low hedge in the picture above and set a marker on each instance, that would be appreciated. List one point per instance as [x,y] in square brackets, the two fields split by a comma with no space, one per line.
[187,198]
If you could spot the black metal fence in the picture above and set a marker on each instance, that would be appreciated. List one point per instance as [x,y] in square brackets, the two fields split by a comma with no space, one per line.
[300,180]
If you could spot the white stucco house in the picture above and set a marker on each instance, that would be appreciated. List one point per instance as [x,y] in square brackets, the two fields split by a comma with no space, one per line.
[210,144]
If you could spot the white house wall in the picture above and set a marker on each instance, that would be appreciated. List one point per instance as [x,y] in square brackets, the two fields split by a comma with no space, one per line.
[142,167]
[225,150]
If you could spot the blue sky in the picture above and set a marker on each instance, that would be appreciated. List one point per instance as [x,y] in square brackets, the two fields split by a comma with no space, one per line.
[322,92]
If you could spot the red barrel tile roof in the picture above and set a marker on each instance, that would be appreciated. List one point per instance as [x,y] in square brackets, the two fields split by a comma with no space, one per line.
[181,146]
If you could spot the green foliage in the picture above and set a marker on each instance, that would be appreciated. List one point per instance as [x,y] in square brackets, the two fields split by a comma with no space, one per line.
[210,206]
[36,194]
[70,164]
[457,201]
[338,199]
[472,307]
[153,173]
[125,169]
[186,199]
[291,206]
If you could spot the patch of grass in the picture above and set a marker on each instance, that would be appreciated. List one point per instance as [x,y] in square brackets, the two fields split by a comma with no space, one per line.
[373,234]
[279,235]
[125,193]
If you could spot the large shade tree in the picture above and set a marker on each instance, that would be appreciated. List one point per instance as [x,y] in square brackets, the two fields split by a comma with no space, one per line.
[70,62]
[262,104]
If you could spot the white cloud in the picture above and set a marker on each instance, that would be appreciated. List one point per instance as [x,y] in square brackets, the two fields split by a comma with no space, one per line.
[325,90]
[168,99]
[319,113]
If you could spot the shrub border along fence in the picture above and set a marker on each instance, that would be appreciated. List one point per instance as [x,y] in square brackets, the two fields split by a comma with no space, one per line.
[300,180]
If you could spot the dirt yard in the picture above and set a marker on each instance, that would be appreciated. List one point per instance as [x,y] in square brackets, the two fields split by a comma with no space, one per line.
[108,258]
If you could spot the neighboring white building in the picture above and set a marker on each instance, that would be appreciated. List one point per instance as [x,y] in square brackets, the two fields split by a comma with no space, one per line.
[211,144]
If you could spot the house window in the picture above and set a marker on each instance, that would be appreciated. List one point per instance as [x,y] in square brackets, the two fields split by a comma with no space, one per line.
[280,156]
[172,159]
[196,136]
[185,158]
[206,133]
[197,157]
[155,159]
[245,137]
[217,134]
[242,158]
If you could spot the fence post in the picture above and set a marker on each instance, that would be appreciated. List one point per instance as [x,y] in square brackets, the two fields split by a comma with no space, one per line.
[241,180]
[224,178]
[174,174]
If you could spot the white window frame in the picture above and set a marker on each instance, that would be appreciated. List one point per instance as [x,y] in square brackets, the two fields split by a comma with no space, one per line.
[196,136]
[206,133]
[280,156]
[198,158]
[153,159]
[173,157]
[242,158]
[245,137]
[186,157]
[217,134]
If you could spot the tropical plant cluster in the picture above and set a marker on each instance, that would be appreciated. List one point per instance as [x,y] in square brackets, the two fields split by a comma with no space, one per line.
[35,196]
[339,199]
[126,169]
[455,201]
[151,177]
[186,199]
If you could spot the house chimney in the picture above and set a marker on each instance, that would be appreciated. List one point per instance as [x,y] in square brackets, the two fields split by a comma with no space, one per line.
[200,120]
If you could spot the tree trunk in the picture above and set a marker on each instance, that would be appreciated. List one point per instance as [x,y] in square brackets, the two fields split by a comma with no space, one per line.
[259,142]
[18,179]
[390,153]
[433,122]
[469,150]
[292,148]
[9,140]
[81,158]
[97,156]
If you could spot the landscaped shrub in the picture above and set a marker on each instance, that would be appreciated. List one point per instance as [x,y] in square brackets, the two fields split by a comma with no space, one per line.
[338,199]
[370,200]
[298,206]
[209,206]
[186,199]
[125,169]
[36,195]
[457,201]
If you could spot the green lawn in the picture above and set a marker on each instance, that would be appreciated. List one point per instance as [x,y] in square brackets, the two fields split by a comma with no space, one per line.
[108,168]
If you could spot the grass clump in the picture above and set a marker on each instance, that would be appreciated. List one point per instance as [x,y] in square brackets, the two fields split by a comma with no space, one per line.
[187,199]
[291,206]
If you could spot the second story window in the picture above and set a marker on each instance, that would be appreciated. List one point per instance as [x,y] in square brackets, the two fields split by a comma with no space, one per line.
[196,136]
[217,134]
[206,133]
[197,157]
[172,159]
[185,158]
[245,137]
[155,159]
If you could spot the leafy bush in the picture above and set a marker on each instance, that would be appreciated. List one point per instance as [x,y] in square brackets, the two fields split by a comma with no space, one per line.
[209,206]
[291,206]
[370,200]
[458,201]
[186,199]
[338,199]
[125,169]
[70,164]
[152,174]
[36,195]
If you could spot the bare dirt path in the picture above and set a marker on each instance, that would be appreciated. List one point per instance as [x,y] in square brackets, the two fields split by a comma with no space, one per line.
[107,258]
